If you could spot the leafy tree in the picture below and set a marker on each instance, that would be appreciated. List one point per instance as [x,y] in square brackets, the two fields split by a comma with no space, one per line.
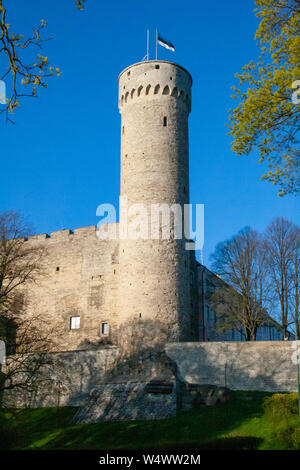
[24,77]
[267,118]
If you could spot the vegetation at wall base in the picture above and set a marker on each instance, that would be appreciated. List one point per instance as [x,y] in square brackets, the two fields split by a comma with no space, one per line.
[247,422]
[283,412]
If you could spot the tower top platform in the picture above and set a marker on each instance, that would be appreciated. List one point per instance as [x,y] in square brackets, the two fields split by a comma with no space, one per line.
[153,62]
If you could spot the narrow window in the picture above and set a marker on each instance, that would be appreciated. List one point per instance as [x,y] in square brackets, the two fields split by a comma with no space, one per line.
[123,130]
[57,269]
[165,121]
[75,323]
[104,328]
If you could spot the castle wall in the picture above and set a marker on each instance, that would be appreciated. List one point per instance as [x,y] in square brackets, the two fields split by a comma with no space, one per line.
[79,274]
[118,281]
[66,380]
[263,365]
[73,376]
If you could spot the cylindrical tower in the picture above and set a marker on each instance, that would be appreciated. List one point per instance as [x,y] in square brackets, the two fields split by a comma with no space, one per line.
[154,283]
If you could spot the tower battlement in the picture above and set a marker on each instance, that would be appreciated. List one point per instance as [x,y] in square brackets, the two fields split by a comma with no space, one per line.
[154,79]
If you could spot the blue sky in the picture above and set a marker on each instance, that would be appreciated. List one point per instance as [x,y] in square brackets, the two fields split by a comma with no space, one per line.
[61,159]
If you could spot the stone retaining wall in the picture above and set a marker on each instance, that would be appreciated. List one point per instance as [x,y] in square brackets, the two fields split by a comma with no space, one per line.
[259,365]
[127,402]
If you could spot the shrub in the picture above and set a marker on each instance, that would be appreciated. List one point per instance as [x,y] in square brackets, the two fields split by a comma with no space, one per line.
[282,410]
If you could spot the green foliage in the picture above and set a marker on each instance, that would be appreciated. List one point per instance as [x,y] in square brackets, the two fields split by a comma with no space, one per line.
[26,78]
[266,117]
[281,406]
[282,411]
[14,49]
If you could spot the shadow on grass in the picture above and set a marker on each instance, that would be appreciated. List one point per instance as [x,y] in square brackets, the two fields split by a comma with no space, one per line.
[202,428]
[19,427]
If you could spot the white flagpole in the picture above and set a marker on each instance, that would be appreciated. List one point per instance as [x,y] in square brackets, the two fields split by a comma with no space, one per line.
[156,44]
[147,44]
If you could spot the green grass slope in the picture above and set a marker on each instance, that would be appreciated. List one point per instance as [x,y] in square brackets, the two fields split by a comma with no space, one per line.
[238,424]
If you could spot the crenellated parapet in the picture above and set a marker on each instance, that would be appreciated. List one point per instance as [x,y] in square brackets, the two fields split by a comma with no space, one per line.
[154,80]
[65,234]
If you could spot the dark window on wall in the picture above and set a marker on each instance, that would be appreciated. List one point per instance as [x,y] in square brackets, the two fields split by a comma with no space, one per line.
[165,121]
[123,130]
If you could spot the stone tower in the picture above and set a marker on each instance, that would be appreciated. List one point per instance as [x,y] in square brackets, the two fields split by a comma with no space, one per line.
[155,274]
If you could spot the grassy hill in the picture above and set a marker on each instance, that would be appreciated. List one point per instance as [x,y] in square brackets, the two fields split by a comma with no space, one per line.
[239,424]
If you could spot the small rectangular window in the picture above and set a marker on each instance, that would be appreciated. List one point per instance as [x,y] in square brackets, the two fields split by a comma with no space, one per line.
[123,130]
[75,323]
[165,121]
[104,328]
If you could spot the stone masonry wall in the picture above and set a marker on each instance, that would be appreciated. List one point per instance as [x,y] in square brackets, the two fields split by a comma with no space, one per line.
[67,380]
[265,366]
[79,273]
[128,401]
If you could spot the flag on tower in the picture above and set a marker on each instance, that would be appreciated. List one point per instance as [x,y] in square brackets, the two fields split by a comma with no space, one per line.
[164,43]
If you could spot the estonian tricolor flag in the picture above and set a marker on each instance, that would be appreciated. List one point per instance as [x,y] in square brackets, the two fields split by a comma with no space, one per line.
[166,44]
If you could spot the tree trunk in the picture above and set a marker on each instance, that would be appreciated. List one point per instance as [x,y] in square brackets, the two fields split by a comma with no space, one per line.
[247,334]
